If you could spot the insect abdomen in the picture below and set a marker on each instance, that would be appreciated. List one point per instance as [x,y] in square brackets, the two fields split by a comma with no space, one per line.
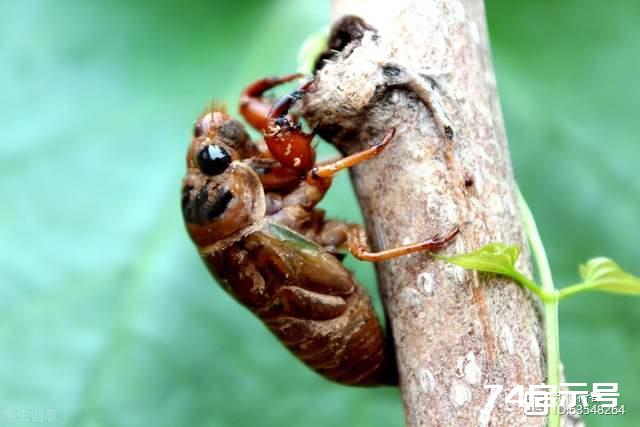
[320,313]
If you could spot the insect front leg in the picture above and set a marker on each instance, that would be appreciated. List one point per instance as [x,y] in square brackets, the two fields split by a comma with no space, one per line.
[301,200]
[286,141]
[253,107]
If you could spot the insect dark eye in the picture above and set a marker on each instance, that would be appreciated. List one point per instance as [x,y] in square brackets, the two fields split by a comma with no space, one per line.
[213,160]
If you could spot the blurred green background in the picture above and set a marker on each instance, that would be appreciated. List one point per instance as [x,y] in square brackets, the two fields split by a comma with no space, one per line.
[108,316]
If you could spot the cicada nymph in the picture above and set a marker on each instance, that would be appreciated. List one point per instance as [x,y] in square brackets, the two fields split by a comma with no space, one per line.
[249,206]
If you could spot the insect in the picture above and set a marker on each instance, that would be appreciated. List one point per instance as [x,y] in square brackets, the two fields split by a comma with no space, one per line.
[249,207]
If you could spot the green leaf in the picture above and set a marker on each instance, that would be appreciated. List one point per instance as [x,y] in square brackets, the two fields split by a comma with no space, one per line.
[492,258]
[603,274]
[501,259]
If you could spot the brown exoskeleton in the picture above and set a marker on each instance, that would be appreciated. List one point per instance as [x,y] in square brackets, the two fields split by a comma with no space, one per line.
[250,209]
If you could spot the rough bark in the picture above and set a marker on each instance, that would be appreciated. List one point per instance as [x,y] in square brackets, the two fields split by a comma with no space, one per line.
[454,331]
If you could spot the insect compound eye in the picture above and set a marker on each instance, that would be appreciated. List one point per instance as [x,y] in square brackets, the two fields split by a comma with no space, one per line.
[213,160]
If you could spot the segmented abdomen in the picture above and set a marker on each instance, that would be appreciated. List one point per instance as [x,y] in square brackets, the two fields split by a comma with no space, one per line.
[311,302]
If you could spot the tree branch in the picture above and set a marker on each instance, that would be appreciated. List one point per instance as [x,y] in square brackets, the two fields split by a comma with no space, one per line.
[424,67]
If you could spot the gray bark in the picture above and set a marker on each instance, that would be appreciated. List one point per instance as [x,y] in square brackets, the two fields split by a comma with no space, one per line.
[424,67]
